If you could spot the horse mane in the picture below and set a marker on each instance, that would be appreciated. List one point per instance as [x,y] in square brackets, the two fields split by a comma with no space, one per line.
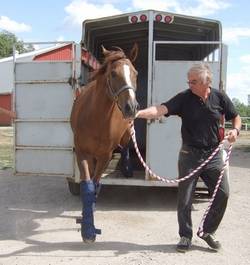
[109,58]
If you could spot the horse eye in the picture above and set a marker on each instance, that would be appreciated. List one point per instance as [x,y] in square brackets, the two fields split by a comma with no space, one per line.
[113,74]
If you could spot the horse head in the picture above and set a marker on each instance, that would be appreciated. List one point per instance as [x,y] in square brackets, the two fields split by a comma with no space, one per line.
[122,79]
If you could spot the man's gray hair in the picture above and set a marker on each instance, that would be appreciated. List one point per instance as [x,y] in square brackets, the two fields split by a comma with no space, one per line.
[203,71]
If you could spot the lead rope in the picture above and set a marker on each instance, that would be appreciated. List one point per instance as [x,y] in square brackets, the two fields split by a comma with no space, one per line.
[200,230]
[164,179]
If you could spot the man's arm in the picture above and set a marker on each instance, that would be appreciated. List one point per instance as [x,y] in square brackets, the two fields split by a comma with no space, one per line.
[152,112]
[236,125]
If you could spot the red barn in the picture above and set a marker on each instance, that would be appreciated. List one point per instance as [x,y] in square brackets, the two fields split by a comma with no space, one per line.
[5,102]
[58,54]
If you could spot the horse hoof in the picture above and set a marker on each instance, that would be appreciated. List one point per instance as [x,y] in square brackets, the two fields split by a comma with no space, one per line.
[88,240]
[127,173]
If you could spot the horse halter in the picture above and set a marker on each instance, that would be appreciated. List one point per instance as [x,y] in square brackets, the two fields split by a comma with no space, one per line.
[115,94]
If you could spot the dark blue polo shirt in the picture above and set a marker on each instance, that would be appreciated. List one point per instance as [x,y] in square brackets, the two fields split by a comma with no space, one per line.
[201,120]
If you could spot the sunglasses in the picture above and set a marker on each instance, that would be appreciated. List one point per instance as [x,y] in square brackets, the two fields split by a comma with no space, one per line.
[192,82]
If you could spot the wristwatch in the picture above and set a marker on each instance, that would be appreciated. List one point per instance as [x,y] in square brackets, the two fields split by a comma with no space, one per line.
[238,131]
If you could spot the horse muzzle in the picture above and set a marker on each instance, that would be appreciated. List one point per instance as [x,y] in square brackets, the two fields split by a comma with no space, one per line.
[130,109]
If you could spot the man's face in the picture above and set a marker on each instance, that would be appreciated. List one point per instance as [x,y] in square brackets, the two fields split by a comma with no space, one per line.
[196,84]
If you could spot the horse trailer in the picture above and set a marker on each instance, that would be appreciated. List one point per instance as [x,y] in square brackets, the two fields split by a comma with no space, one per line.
[168,45]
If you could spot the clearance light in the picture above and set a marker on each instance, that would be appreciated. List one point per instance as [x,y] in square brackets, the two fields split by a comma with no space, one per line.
[158,18]
[168,19]
[134,19]
[143,18]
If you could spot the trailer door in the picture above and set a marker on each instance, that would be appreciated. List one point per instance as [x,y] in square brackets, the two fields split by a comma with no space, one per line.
[43,101]
[164,136]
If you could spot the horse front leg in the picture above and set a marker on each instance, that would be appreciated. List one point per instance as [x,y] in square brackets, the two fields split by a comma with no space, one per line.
[88,197]
[87,193]
[101,165]
[90,188]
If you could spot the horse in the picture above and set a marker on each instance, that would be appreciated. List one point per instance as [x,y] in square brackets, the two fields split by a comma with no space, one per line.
[100,120]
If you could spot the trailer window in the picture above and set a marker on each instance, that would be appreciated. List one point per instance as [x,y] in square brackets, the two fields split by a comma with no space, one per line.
[213,56]
[187,52]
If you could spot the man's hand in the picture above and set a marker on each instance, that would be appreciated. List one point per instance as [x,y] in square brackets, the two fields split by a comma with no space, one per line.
[137,114]
[232,135]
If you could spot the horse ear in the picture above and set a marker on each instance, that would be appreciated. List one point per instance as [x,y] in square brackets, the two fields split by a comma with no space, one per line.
[104,51]
[134,52]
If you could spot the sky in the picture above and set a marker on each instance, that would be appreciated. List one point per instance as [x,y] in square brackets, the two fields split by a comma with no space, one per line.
[60,20]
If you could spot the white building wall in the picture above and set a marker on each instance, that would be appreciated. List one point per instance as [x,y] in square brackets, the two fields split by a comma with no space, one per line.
[6,72]
[6,77]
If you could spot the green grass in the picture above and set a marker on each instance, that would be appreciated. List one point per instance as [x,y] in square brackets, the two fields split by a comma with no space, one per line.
[6,156]
[6,147]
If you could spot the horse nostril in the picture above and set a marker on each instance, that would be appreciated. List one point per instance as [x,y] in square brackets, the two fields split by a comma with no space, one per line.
[128,108]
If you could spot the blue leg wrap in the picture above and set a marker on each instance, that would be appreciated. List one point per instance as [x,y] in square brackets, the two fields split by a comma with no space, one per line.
[88,197]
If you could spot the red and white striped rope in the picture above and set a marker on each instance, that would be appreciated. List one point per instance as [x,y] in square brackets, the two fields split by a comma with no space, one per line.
[165,179]
[148,170]
[200,230]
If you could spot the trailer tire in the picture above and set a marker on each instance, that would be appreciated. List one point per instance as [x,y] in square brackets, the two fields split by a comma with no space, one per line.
[74,188]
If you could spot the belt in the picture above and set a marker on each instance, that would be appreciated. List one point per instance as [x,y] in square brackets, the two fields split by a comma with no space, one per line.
[200,148]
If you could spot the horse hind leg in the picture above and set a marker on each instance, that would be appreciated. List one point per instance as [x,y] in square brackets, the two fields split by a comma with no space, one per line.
[126,163]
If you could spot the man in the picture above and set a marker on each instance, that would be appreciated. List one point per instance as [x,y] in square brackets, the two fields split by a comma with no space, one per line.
[201,108]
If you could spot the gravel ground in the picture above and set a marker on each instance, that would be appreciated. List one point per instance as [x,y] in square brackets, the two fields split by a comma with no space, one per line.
[139,224]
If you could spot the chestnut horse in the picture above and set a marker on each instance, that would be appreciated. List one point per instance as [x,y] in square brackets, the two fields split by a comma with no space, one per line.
[100,120]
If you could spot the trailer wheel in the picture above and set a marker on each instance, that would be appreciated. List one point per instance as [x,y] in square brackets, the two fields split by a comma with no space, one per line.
[74,188]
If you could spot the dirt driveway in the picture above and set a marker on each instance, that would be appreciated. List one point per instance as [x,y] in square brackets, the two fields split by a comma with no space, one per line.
[37,223]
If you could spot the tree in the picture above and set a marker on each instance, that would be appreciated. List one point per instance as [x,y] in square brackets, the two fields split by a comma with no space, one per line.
[243,110]
[7,39]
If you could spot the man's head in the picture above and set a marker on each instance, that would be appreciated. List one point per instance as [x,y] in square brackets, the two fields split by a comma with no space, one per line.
[202,73]
[199,77]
